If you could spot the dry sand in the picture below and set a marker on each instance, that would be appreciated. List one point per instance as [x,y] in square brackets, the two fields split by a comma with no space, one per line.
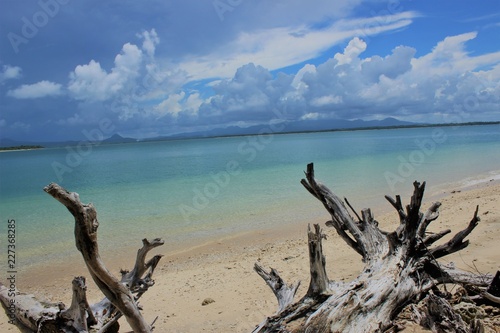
[223,269]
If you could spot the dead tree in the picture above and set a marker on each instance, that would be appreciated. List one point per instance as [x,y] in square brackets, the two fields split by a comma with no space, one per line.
[121,295]
[400,268]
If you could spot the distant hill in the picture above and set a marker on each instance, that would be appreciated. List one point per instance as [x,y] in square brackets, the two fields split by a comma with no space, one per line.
[339,124]
[117,138]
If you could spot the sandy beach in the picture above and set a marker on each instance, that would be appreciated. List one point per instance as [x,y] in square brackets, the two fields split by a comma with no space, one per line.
[222,270]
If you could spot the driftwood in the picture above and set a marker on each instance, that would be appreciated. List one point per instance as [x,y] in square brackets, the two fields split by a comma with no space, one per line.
[400,268]
[120,295]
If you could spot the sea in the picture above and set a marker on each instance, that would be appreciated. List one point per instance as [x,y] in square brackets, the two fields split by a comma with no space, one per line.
[196,190]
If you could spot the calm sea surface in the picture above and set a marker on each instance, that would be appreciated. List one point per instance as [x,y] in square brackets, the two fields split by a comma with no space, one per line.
[190,190]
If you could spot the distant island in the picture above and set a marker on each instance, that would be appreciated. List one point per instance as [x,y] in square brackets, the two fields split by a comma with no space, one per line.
[21,147]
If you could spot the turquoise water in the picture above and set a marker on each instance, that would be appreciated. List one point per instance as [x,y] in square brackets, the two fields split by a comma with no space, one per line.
[190,190]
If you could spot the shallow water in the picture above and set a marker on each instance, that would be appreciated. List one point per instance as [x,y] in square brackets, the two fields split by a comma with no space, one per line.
[189,190]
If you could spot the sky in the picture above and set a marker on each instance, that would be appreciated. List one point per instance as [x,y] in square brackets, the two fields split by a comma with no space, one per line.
[160,67]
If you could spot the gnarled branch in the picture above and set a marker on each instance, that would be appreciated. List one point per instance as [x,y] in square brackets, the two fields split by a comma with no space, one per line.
[86,225]
[283,292]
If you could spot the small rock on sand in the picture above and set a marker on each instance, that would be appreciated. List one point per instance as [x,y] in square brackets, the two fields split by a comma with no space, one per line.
[207,301]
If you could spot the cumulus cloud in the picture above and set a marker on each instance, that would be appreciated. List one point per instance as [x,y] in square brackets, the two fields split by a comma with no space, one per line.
[92,82]
[355,47]
[36,90]
[391,66]
[326,100]
[9,72]
[137,84]
[171,105]
[151,40]
[249,96]
[448,55]
[401,85]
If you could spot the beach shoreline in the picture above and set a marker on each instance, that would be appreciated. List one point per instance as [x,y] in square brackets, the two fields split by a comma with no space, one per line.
[12,149]
[222,268]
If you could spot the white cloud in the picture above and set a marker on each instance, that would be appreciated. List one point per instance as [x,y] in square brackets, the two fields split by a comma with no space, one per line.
[137,84]
[9,72]
[311,116]
[36,90]
[176,104]
[355,47]
[151,39]
[193,103]
[326,100]
[92,83]
[308,68]
[171,105]
[280,47]
[450,56]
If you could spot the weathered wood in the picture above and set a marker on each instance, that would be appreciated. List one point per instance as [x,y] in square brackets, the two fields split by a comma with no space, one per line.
[400,268]
[439,316]
[283,292]
[493,292]
[80,308]
[86,225]
[448,273]
[457,243]
[319,283]
[49,317]
[120,295]
[28,310]
[134,279]
[341,220]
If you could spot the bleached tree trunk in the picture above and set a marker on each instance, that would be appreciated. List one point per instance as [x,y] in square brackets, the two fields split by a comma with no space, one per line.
[400,268]
[120,295]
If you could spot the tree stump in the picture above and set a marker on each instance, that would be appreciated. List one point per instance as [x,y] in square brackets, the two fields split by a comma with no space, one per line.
[400,268]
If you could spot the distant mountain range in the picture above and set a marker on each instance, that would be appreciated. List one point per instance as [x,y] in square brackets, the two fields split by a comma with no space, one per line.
[296,126]
[285,127]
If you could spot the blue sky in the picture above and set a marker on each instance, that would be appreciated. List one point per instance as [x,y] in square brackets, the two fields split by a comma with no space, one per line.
[161,67]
